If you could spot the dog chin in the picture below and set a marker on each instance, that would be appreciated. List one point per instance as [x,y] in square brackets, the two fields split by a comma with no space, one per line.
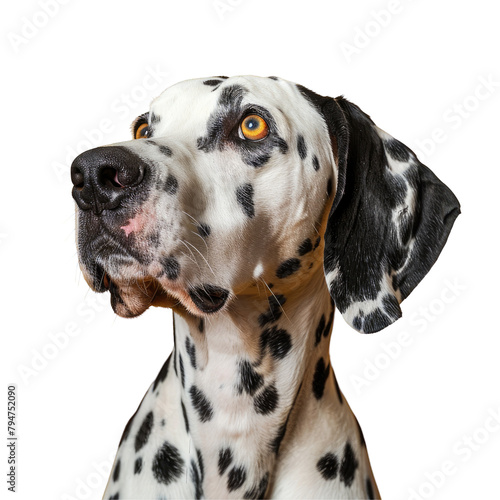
[131,296]
[130,300]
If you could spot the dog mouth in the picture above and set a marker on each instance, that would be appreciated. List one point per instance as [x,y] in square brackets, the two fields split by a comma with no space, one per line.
[135,283]
[131,298]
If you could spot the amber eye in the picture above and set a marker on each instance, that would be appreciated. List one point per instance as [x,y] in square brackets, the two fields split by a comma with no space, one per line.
[142,131]
[254,127]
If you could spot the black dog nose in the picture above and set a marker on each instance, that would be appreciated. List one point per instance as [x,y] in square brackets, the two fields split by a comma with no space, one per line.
[102,177]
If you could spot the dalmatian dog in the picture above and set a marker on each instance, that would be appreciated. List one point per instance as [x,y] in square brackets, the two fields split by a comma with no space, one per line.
[252,207]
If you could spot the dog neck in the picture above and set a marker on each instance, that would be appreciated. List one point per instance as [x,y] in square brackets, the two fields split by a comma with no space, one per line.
[245,377]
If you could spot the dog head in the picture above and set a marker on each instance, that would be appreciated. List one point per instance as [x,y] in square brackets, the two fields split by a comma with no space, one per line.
[234,181]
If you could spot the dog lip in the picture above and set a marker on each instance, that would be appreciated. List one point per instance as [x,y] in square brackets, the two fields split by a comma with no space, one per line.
[106,281]
[99,279]
[209,298]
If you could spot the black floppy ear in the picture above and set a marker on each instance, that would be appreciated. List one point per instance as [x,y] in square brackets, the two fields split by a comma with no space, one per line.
[390,219]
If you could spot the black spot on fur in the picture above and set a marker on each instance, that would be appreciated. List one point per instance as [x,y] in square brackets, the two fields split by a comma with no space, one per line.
[348,466]
[201,325]
[278,340]
[369,489]
[316,244]
[191,350]
[397,150]
[236,478]
[225,459]
[153,239]
[227,111]
[320,377]
[201,404]
[212,83]
[168,464]
[305,247]
[287,268]
[258,491]
[183,375]
[204,230]
[197,480]
[282,145]
[357,323]
[208,298]
[258,159]
[328,326]
[165,150]
[163,373]
[116,472]
[319,330]
[328,466]
[154,119]
[301,147]
[184,414]
[138,465]
[171,267]
[200,462]
[116,496]
[315,163]
[244,196]
[144,431]
[275,310]
[273,78]
[250,380]
[276,443]
[171,184]
[267,401]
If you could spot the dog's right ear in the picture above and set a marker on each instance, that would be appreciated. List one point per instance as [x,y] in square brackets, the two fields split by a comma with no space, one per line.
[389,221]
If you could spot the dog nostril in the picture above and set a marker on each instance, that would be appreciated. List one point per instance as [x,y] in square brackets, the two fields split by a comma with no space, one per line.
[77,178]
[108,177]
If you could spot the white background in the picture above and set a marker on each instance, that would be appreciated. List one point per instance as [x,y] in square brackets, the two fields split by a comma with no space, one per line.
[82,73]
